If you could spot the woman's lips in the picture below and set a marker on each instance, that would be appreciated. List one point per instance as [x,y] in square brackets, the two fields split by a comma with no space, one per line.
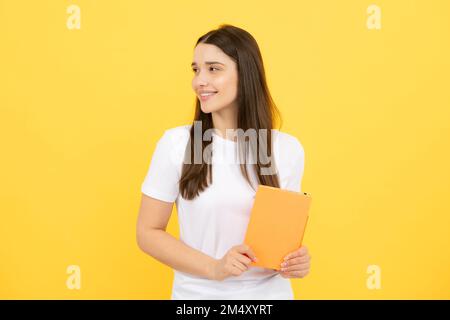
[207,97]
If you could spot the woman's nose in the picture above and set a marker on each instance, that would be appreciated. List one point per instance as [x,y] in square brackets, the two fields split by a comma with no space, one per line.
[201,83]
[201,79]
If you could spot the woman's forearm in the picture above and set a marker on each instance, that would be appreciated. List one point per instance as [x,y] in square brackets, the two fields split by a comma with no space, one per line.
[173,252]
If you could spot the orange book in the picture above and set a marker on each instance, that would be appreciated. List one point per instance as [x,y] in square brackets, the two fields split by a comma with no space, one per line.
[277,224]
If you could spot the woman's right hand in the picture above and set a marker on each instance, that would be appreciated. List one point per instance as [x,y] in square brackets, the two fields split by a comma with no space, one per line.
[234,262]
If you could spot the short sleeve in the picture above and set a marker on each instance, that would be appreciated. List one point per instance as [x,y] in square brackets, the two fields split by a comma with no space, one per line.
[162,179]
[294,173]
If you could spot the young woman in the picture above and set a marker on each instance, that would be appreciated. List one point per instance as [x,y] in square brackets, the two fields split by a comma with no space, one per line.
[212,172]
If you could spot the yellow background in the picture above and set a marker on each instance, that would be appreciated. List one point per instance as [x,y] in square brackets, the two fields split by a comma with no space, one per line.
[81,111]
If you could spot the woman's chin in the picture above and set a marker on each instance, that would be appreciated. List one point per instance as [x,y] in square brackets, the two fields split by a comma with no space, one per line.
[206,109]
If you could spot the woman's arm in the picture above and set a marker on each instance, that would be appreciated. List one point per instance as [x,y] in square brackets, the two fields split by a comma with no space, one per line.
[153,239]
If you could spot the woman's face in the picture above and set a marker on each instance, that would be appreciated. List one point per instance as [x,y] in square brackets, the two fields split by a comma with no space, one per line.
[214,73]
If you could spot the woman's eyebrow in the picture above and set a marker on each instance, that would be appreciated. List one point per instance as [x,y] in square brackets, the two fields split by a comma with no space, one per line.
[208,62]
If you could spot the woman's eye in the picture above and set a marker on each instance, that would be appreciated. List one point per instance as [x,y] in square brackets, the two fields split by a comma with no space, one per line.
[211,68]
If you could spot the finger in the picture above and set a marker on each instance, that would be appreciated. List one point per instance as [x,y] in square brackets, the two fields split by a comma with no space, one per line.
[293,261]
[244,259]
[303,250]
[239,266]
[246,249]
[249,252]
[297,267]
[297,253]
[236,263]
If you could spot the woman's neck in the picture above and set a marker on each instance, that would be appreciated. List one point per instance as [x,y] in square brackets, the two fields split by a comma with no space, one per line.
[225,120]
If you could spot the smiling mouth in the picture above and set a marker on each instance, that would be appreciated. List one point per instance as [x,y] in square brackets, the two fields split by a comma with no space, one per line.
[207,96]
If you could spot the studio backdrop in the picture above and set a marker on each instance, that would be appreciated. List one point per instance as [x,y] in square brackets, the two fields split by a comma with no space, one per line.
[88,87]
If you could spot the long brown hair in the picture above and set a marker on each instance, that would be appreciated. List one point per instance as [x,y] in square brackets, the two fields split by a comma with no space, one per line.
[256,110]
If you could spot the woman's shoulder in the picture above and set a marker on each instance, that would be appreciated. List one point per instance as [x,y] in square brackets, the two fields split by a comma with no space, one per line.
[175,134]
[287,141]
[172,143]
[181,130]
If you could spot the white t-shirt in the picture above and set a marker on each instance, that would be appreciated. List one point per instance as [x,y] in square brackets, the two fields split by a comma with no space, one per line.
[217,219]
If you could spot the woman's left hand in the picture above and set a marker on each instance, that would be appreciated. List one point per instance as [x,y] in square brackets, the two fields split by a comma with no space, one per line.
[296,264]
